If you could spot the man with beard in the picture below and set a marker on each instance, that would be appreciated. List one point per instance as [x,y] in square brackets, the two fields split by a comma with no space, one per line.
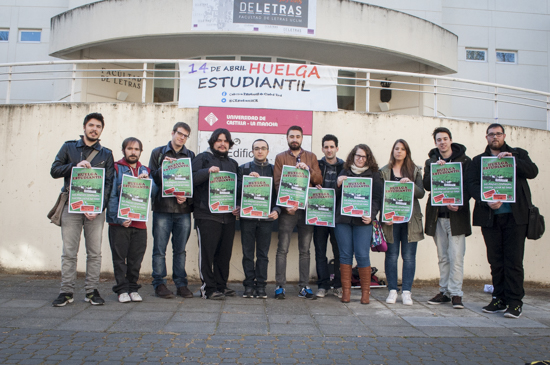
[504,225]
[128,239]
[292,217]
[171,216]
[448,225]
[215,230]
[84,152]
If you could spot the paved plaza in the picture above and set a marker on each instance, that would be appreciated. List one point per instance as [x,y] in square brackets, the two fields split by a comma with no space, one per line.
[251,331]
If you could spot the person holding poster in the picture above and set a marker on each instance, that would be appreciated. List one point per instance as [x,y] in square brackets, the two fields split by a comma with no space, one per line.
[449,225]
[215,230]
[292,217]
[171,216]
[354,234]
[503,225]
[404,236]
[84,152]
[256,232]
[127,237]
[330,167]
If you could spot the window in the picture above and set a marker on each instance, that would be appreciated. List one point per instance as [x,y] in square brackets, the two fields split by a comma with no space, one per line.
[164,87]
[4,35]
[477,55]
[507,57]
[31,36]
[346,94]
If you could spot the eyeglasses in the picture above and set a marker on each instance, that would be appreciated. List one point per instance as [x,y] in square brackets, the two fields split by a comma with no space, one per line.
[182,134]
[361,157]
[493,135]
[260,148]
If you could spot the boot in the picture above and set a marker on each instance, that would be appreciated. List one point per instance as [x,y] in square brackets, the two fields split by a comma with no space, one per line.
[345,273]
[365,276]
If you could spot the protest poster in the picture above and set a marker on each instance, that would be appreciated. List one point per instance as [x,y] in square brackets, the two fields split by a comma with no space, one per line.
[293,187]
[446,181]
[135,199]
[222,197]
[356,197]
[177,179]
[398,202]
[86,190]
[256,197]
[320,207]
[498,179]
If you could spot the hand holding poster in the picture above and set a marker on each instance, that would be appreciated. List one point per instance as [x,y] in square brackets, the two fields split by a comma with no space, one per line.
[256,197]
[398,202]
[446,184]
[222,187]
[177,179]
[356,197]
[135,199]
[293,187]
[86,190]
[320,207]
[498,179]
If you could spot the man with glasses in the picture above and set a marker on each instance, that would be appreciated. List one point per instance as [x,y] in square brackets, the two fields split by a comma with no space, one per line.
[255,232]
[504,225]
[171,216]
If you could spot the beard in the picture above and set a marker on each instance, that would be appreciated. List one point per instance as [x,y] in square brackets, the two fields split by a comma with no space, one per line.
[219,153]
[131,159]
[91,138]
[294,146]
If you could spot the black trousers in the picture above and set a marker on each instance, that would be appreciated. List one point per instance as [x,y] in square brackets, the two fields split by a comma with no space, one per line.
[505,242]
[255,236]
[127,247]
[320,238]
[215,248]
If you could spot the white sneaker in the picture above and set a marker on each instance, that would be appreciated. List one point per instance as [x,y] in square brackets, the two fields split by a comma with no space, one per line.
[321,293]
[406,297]
[337,293]
[392,297]
[136,297]
[124,298]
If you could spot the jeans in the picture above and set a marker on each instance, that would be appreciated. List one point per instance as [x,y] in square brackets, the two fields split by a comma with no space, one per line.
[354,240]
[320,238]
[128,246]
[287,222]
[179,226]
[255,236]
[505,242]
[450,251]
[71,231]
[408,254]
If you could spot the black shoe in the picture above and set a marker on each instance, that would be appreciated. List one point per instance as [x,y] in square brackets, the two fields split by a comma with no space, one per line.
[440,298]
[260,293]
[495,306]
[215,296]
[513,312]
[184,292]
[248,292]
[163,292]
[63,299]
[229,292]
[94,298]
[457,302]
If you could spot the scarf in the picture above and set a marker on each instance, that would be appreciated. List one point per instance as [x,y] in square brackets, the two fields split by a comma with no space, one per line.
[358,170]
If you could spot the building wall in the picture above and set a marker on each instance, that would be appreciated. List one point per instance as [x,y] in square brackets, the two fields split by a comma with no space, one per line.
[31,135]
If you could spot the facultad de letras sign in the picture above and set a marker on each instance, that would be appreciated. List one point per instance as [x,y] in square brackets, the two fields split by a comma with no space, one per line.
[122,78]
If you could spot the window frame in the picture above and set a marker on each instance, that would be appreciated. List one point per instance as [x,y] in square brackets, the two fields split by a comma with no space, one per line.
[515,53]
[21,31]
[7,30]
[477,50]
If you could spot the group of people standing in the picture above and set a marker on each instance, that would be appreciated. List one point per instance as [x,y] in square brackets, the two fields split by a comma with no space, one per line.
[503,225]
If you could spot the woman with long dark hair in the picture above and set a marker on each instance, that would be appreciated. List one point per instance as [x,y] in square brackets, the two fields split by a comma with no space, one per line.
[354,234]
[403,236]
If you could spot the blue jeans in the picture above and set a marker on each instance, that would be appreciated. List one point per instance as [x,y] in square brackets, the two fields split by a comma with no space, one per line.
[179,226]
[354,239]
[408,254]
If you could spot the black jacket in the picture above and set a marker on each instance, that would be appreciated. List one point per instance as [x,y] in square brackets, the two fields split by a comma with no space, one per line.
[263,170]
[460,220]
[73,152]
[167,205]
[323,167]
[525,169]
[201,164]
[377,191]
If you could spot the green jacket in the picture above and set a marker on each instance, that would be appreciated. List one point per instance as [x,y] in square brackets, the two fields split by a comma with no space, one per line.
[416,231]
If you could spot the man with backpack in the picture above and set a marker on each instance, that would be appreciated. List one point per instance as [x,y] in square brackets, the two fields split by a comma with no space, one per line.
[171,216]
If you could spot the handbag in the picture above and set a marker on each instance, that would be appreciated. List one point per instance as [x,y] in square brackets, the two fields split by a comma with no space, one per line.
[378,243]
[54,215]
[535,223]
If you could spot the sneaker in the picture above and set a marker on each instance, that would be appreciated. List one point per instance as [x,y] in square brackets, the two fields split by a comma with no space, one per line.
[184,292]
[406,297]
[495,306]
[248,292]
[94,298]
[217,295]
[337,292]
[392,297]
[163,292]
[457,302]
[229,292]
[124,298]
[440,298]
[63,299]
[321,293]
[261,294]
[513,312]
[306,293]
[279,292]
[136,297]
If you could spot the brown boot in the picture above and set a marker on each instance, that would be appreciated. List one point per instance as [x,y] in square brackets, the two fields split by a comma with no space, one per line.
[345,274]
[364,276]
